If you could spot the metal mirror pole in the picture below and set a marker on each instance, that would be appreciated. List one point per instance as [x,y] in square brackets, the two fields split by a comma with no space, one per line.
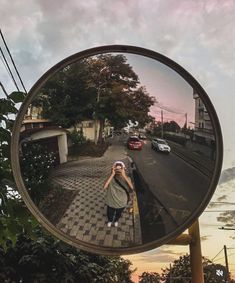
[193,240]
[196,254]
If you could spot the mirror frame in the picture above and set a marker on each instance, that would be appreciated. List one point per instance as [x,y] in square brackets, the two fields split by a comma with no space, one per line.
[32,94]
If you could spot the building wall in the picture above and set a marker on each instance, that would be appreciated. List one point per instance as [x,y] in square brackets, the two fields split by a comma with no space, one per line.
[88,128]
[203,126]
[61,138]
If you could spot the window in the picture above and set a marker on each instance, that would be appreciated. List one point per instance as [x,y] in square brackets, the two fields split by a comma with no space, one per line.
[28,126]
[36,125]
[88,124]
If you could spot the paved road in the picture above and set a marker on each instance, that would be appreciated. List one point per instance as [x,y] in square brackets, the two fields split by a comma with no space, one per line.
[177,185]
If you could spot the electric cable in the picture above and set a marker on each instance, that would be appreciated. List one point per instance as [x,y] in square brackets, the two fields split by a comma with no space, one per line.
[9,70]
[12,61]
[217,254]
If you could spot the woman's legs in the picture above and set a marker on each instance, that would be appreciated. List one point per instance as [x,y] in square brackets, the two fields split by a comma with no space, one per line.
[118,214]
[110,213]
[114,214]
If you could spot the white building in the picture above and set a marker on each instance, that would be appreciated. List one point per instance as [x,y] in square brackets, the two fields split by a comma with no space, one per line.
[203,128]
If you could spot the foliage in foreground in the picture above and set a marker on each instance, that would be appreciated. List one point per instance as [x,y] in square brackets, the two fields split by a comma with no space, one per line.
[180,272]
[47,260]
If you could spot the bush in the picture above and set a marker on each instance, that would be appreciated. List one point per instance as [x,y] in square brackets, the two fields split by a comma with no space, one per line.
[36,163]
[47,260]
[77,137]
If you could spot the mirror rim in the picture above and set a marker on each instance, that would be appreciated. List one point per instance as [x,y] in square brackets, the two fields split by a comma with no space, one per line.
[85,245]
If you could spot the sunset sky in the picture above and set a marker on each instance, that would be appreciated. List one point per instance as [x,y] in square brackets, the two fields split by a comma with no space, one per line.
[198,35]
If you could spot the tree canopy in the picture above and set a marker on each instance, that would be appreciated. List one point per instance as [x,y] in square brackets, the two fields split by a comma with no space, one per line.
[46,260]
[100,87]
[150,277]
[180,271]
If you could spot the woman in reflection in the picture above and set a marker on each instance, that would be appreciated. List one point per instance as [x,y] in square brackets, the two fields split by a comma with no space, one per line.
[117,196]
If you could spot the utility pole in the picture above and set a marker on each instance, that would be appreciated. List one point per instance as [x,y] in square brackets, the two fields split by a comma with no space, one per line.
[170,274]
[226,262]
[162,124]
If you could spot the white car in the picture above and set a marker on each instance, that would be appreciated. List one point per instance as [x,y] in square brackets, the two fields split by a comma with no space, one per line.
[160,145]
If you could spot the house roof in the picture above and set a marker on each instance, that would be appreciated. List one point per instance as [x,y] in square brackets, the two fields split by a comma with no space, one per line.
[29,132]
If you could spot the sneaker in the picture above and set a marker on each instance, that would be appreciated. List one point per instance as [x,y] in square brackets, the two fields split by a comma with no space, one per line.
[116,224]
[109,224]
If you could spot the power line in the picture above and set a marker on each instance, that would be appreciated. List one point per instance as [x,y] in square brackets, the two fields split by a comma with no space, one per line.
[5,65]
[217,254]
[8,68]
[12,61]
[4,90]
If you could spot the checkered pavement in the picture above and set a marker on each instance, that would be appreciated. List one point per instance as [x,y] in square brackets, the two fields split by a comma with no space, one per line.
[85,219]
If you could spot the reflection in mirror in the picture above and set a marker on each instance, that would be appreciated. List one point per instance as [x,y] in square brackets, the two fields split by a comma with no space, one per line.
[117,107]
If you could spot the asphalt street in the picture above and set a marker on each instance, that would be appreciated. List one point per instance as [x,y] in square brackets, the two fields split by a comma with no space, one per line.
[175,184]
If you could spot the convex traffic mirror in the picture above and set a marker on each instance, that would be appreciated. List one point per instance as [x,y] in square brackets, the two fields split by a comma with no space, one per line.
[116,150]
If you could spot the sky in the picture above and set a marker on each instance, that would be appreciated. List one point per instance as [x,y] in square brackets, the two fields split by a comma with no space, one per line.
[198,35]
[174,96]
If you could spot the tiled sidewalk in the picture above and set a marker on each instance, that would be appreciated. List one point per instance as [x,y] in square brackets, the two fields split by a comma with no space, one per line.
[85,219]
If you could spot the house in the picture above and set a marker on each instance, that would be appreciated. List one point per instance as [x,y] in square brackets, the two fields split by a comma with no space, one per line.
[203,132]
[35,129]
[90,129]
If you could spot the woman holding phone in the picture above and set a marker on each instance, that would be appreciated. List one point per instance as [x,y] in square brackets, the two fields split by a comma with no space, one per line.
[118,186]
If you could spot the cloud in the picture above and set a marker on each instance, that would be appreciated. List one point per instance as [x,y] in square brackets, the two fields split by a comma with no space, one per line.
[228,218]
[53,31]
[162,254]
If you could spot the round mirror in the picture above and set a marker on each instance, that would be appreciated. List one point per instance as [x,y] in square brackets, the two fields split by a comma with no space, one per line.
[117,150]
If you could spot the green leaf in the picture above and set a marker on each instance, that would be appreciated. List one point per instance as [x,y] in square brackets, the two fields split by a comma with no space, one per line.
[17,96]
[5,135]
[7,107]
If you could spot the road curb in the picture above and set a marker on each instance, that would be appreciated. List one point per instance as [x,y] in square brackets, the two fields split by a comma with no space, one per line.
[136,215]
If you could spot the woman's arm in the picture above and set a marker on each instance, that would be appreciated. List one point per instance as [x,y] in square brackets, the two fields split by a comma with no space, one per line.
[129,183]
[106,184]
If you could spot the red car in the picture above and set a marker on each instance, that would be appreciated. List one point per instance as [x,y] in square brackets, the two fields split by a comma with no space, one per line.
[134,143]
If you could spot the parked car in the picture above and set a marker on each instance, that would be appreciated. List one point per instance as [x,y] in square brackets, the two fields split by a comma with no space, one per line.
[134,142]
[160,145]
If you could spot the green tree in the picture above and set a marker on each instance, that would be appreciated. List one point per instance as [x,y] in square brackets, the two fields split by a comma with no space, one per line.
[99,87]
[120,97]
[66,98]
[149,277]
[180,271]
[47,260]
[171,126]
[14,216]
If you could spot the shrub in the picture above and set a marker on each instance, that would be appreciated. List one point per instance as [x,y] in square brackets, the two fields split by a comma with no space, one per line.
[36,163]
